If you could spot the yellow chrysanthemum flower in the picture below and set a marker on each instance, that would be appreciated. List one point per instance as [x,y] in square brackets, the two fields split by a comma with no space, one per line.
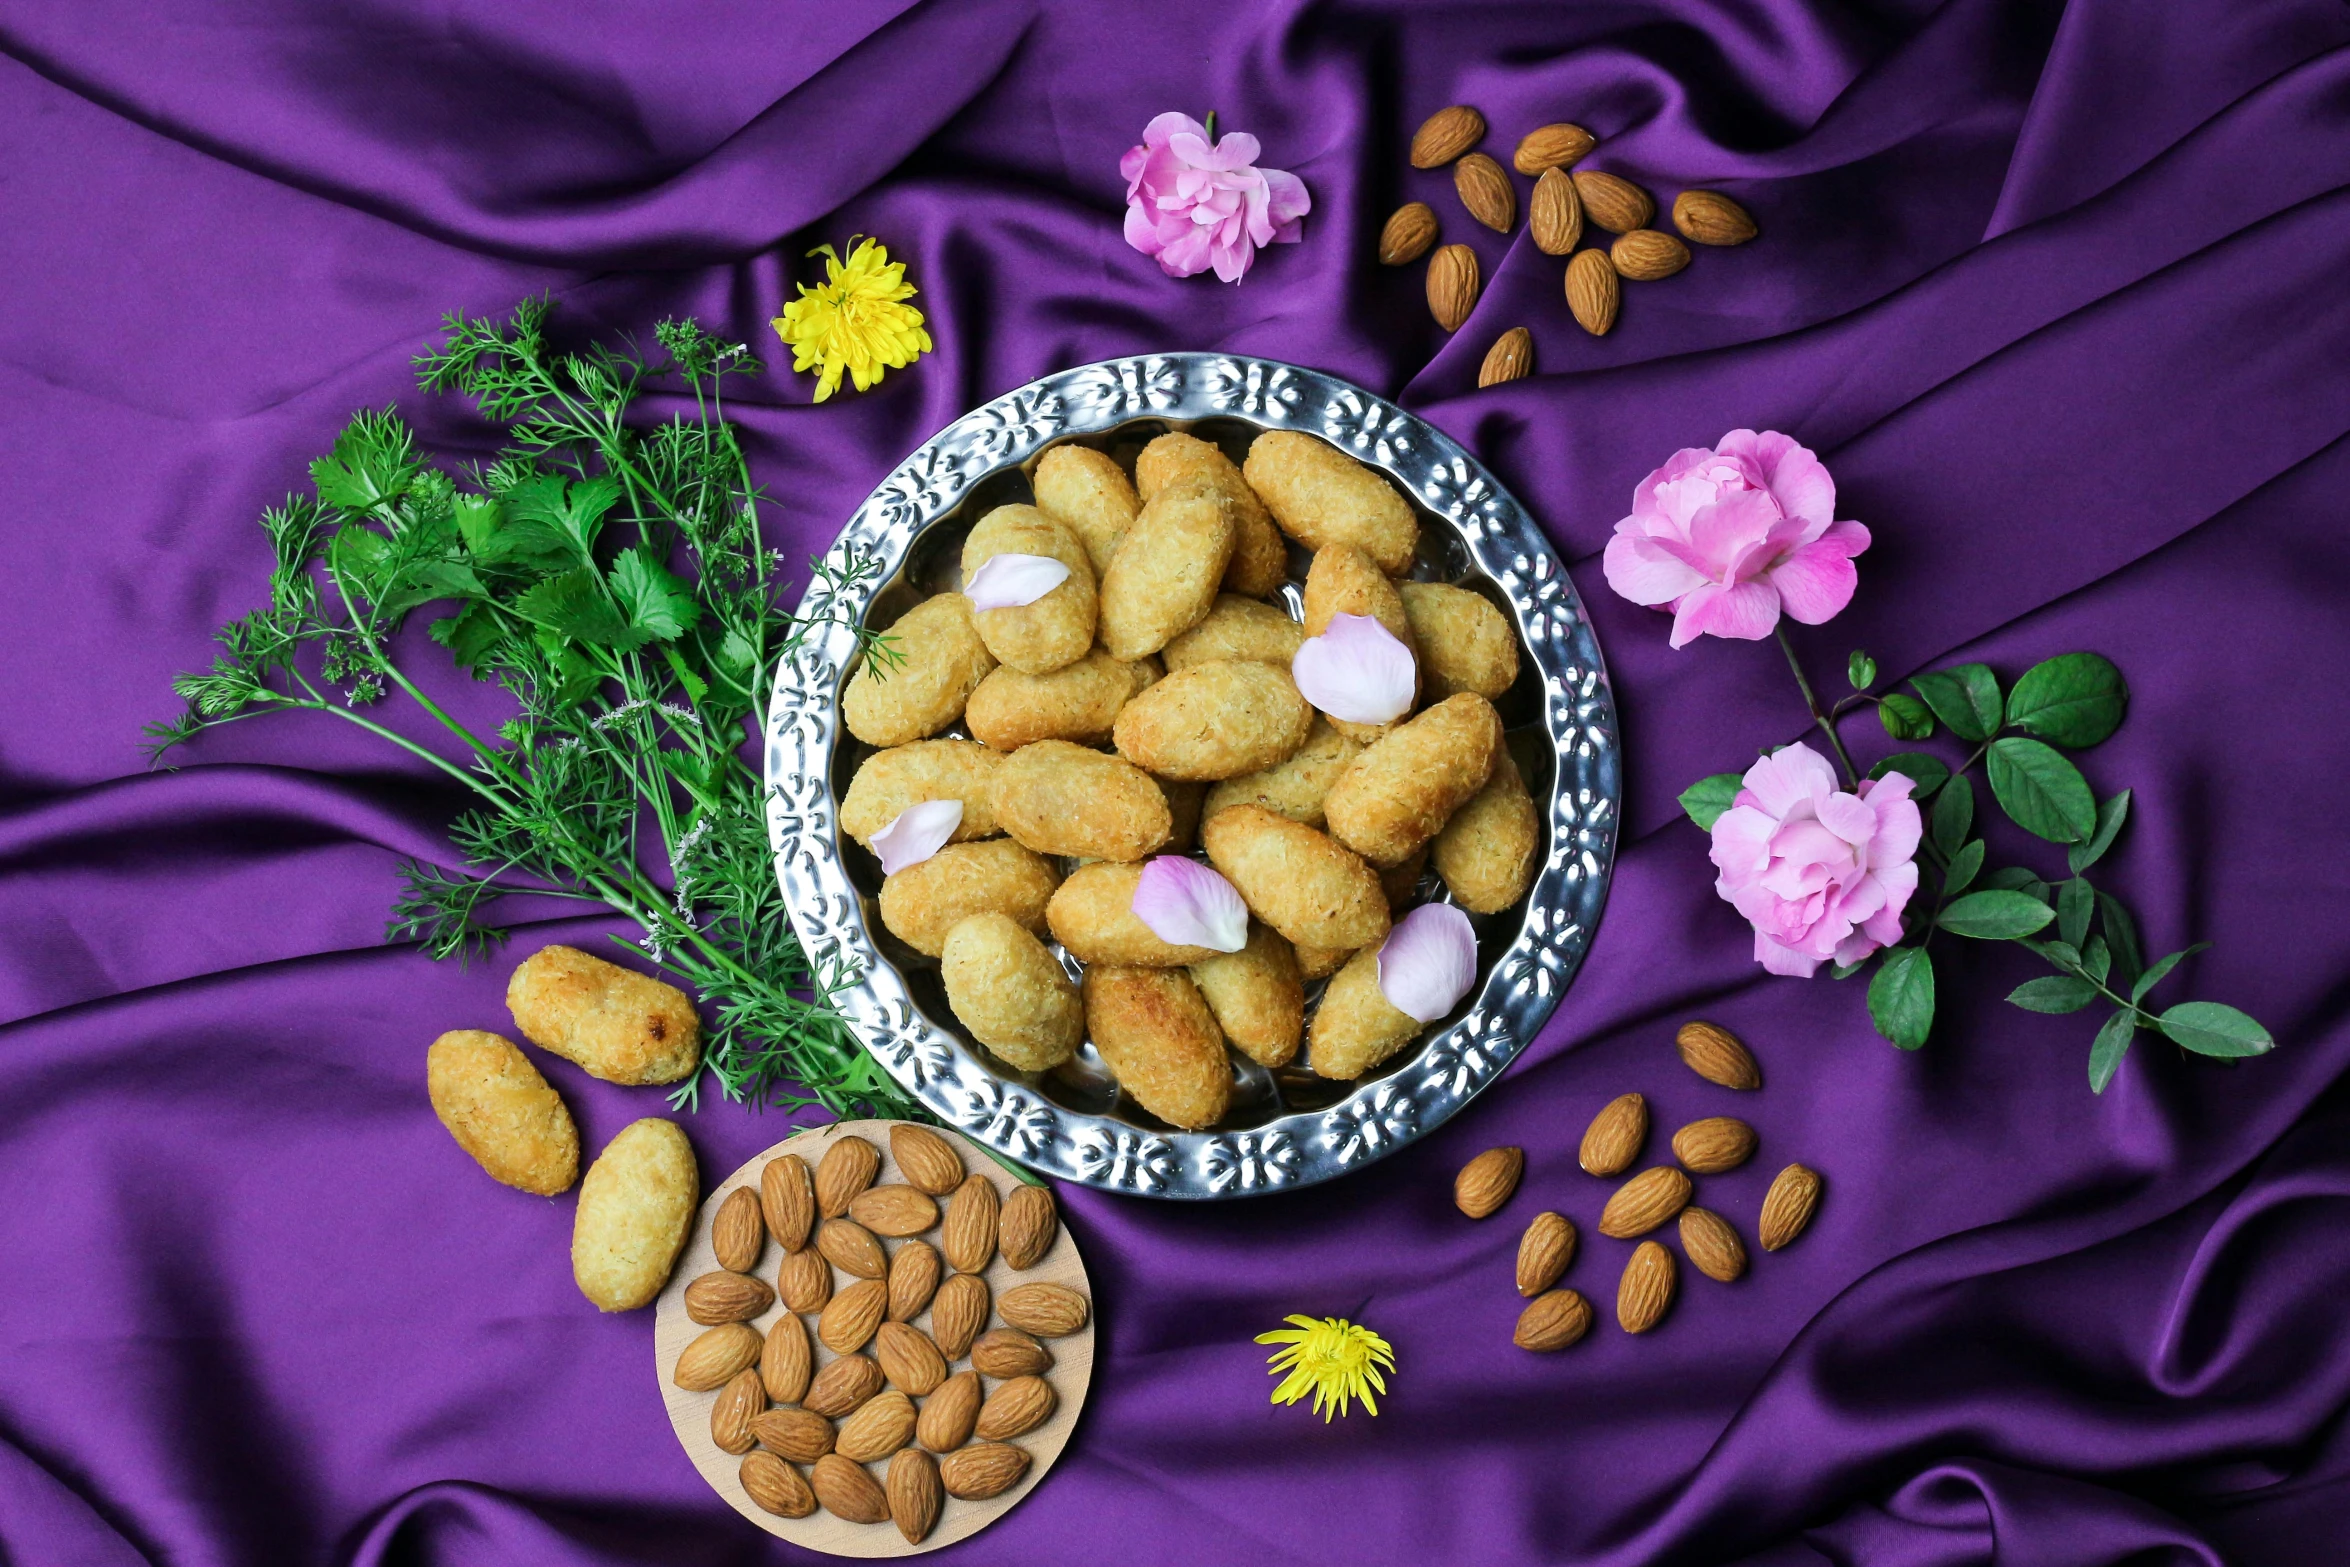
[855,320]
[1334,1358]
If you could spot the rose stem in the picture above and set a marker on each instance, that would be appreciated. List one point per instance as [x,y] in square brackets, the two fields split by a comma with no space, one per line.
[1787,646]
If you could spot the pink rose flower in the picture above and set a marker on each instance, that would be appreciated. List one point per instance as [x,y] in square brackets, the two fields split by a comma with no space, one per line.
[1194,204]
[1726,539]
[1822,875]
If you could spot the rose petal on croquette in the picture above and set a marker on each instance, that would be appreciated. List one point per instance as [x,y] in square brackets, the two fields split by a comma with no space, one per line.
[1184,902]
[1013,581]
[1428,961]
[916,833]
[1356,670]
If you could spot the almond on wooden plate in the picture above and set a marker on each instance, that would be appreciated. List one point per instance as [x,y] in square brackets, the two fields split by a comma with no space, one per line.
[879,1427]
[1644,1202]
[1445,135]
[895,1211]
[914,1270]
[1612,202]
[850,1247]
[1045,1310]
[1646,1292]
[1612,1141]
[1711,218]
[1452,286]
[1408,234]
[726,1297]
[1555,215]
[1788,1206]
[847,1168]
[788,1200]
[982,1470]
[785,1361]
[1717,1055]
[742,1400]
[842,1385]
[711,1360]
[1007,1352]
[925,1159]
[801,1435]
[957,1312]
[1016,1408]
[1552,1321]
[848,1490]
[849,1321]
[738,1234]
[804,1281]
[915,1493]
[1026,1227]
[1544,1252]
[1487,1181]
[949,1414]
[1486,192]
[1713,1248]
[776,1486]
[967,1239]
[908,1358]
[1594,292]
[1713,1145]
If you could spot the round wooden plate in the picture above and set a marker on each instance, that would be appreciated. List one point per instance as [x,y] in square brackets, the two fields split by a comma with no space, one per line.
[689,1413]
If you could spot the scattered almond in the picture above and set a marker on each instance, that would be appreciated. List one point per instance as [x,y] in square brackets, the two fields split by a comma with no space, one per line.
[1007,1352]
[1711,218]
[1548,147]
[1615,204]
[726,1297]
[882,1424]
[957,1312]
[842,1385]
[1788,1206]
[1612,1141]
[982,1470]
[787,1200]
[926,1159]
[915,1494]
[712,1360]
[776,1486]
[850,1247]
[1025,1230]
[1555,216]
[1593,291]
[1713,1248]
[1715,1054]
[1646,1292]
[1544,1252]
[1016,1408]
[847,1168]
[949,1414]
[1044,1310]
[1509,359]
[909,1359]
[1713,1145]
[1486,191]
[1552,1321]
[1408,234]
[1647,255]
[804,1281]
[738,1234]
[895,1211]
[1487,1181]
[785,1360]
[849,1321]
[848,1491]
[1644,1202]
[742,1400]
[1445,135]
[801,1435]
[967,1240]
[1452,286]
[913,1279]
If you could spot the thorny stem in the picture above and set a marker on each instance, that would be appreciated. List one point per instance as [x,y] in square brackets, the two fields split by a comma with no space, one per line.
[1787,646]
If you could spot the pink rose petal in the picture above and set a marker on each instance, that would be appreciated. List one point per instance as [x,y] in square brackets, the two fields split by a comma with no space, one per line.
[1355,670]
[1428,961]
[916,833]
[1187,904]
[1013,581]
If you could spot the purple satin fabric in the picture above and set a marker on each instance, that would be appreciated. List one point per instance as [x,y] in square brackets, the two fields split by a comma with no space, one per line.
[2057,292]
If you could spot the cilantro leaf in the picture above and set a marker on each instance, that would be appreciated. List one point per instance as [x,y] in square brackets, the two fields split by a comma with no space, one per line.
[659,604]
[574,606]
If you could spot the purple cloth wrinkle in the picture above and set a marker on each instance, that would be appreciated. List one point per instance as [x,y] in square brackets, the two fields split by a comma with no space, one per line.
[259,1308]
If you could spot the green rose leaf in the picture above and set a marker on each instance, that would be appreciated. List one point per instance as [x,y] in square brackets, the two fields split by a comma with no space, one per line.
[1905,717]
[2097,959]
[1861,670]
[1966,698]
[2121,934]
[1901,997]
[2110,817]
[1954,814]
[2076,700]
[1706,799]
[2113,1042]
[2010,878]
[1995,916]
[2076,904]
[2056,993]
[2040,791]
[1963,866]
[2211,1029]
[2161,970]
[1926,772]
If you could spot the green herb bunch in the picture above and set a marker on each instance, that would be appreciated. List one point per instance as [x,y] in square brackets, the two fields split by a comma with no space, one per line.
[610,577]
[2070,702]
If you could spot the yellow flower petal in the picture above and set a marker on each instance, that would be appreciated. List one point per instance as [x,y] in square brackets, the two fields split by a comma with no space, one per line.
[855,322]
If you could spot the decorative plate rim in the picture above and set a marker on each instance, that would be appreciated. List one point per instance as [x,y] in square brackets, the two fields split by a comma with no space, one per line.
[1380,1115]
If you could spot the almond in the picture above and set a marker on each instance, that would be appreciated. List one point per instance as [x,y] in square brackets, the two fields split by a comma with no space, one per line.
[1487,1181]
[849,1322]
[850,1247]
[1027,1226]
[1646,255]
[804,1281]
[1617,205]
[1644,1202]
[1445,135]
[909,1359]
[776,1486]
[737,1233]
[1713,1248]
[1549,147]
[1452,286]
[1612,1141]
[788,1201]
[785,1360]
[1510,358]
[1715,1054]
[726,1297]
[895,1211]
[1016,1408]
[967,1239]
[1044,1310]
[712,1360]
[1593,291]
[926,1159]
[847,1168]
[848,1491]
[1788,1206]
[1646,1292]
[915,1494]
[982,1470]
[882,1424]
[801,1435]
[1408,234]
[957,1312]
[1555,216]
[742,1400]
[842,1385]
[1007,1352]
[1711,218]
[1544,1252]
[1552,1321]
[1713,1145]
[1486,191]
[913,1278]
[949,1414]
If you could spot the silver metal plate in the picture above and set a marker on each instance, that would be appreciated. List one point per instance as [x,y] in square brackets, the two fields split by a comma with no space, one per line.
[1288,1128]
